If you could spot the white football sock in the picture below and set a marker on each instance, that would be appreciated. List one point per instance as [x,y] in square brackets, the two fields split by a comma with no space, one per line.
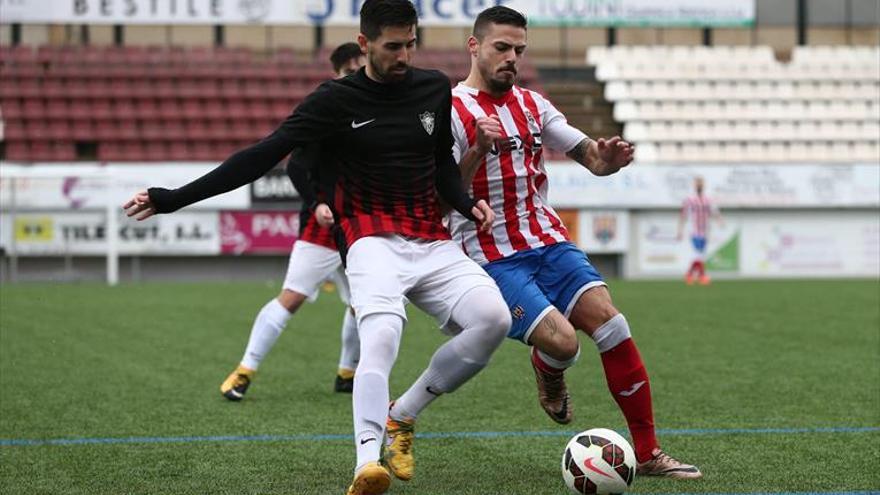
[351,343]
[380,339]
[485,320]
[267,327]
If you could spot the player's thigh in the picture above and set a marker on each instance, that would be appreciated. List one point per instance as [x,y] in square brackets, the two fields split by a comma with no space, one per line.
[565,275]
[447,276]
[378,275]
[526,302]
[342,288]
[308,267]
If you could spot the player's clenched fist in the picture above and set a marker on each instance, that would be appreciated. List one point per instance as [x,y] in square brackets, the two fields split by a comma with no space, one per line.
[324,216]
[489,132]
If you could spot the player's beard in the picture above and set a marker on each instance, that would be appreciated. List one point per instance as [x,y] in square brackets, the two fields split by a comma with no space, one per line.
[391,74]
[499,82]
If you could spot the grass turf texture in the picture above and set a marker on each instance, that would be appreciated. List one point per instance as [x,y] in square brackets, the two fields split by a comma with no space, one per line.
[87,361]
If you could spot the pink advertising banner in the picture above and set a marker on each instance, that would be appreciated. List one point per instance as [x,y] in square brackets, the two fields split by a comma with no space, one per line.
[258,232]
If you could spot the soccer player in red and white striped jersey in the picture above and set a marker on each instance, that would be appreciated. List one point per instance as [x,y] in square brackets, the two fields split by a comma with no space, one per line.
[698,210]
[501,131]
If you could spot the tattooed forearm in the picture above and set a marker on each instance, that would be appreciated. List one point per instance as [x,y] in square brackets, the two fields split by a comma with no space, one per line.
[579,152]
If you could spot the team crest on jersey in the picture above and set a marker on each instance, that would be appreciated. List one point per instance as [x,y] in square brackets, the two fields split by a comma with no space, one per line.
[427,119]
[604,228]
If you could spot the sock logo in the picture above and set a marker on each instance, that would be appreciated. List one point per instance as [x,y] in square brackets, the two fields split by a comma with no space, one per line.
[635,388]
[432,392]
[367,440]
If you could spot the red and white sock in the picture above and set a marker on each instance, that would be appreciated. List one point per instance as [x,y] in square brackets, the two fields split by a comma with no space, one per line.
[628,383]
[551,365]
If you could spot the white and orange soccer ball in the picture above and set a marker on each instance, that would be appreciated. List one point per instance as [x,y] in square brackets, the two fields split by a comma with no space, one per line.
[598,461]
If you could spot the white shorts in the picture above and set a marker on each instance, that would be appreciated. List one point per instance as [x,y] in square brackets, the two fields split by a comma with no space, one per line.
[387,270]
[310,266]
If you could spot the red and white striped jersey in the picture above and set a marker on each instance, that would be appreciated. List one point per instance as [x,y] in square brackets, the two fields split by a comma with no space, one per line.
[698,210]
[513,182]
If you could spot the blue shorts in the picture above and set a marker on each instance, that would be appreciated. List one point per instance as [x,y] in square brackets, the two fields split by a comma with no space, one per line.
[535,281]
[699,243]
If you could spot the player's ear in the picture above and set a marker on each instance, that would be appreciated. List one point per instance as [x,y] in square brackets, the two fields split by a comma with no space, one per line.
[473,45]
[362,42]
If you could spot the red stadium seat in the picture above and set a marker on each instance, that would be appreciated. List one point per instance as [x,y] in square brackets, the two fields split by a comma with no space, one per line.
[83,130]
[17,150]
[10,108]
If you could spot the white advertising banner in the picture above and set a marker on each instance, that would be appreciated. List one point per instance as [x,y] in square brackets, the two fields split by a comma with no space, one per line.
[603,231]
[347,12]
[764,244]
[84,187]
[84,233]
[739,186]
[824,244]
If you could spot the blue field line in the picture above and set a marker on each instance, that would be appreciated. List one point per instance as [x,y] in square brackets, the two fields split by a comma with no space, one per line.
[427,435]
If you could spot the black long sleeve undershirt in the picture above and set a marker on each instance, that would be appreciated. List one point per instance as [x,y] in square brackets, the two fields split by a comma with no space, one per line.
[242,168]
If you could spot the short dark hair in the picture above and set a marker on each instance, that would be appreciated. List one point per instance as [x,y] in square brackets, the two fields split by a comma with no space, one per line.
[343,53]
[378,14]
[498,14]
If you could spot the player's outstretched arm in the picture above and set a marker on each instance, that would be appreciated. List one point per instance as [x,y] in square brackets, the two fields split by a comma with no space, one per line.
[241,168]
[604,156]
[312,121]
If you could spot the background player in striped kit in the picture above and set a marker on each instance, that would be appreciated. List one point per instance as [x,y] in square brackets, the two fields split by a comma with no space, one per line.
[313,260]
[699,209]
[548,283]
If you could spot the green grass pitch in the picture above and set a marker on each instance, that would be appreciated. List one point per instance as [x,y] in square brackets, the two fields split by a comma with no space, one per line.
[749,379]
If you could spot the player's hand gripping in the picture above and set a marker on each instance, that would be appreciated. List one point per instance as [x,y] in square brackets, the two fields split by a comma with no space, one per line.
[615,153]
[489,132]
[324,216]
[484,214]
[139,206]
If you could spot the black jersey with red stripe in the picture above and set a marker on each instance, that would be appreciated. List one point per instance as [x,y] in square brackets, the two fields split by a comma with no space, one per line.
[391,149]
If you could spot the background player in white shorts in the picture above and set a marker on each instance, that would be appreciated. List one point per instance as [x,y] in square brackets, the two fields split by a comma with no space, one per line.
[314,259]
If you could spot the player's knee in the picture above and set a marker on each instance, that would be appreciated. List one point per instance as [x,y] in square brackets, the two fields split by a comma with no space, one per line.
[380,338]
[492,314]
[291,300]
[567,346]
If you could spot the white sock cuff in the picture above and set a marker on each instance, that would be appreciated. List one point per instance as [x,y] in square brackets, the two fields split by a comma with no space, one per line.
[276,312]
[611,333]
[555,363]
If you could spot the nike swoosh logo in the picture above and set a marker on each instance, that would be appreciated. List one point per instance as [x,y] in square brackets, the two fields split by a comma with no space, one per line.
[358,125]
[432,392]
[563,411]
[367,440]
[588,463]
[635,388]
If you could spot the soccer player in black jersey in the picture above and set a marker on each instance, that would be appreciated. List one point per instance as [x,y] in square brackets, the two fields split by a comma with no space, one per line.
[313,260]
[388,128]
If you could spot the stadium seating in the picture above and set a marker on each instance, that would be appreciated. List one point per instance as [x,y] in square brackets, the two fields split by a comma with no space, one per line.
[140,103]
[729,104]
